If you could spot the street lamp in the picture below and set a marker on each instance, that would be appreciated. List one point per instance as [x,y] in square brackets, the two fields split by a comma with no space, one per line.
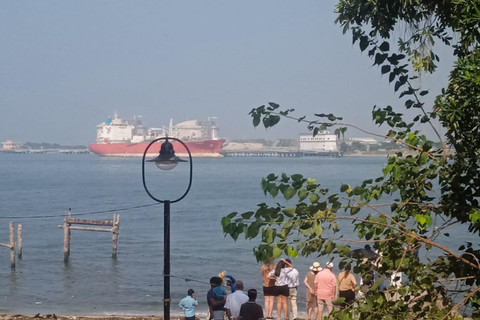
[166,160]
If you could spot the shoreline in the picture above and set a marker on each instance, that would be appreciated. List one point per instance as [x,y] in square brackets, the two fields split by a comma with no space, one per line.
[82,317]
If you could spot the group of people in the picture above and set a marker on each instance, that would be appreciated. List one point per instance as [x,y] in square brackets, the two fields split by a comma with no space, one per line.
[280,281]
[236,305]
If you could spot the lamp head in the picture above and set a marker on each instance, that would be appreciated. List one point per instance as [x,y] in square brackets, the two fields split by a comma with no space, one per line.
[166,159]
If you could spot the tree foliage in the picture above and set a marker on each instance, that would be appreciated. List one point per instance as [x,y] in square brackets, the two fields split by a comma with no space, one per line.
[395,210]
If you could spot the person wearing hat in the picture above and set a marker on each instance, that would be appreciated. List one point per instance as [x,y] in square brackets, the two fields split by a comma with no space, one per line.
[188,304]
[310,284]
[325,289]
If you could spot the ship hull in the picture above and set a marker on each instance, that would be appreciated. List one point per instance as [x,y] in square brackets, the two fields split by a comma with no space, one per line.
[205,148]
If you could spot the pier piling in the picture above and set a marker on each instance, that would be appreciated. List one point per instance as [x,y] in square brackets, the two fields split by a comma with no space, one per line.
[67,227]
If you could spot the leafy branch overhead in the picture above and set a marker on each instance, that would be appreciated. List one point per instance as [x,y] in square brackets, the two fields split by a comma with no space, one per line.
[418,199]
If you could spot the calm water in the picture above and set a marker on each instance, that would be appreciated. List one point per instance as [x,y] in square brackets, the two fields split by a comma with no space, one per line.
[36,190]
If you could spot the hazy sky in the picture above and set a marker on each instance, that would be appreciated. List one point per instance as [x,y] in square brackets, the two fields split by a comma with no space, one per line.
[65,66]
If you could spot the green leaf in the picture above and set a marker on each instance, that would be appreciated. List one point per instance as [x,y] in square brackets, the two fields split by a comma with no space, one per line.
[297,177]
[291,252]
[274,105]
[363,43]
[421,219]
[256,120]
[302,194]
[247,215]
[289,212]
[277,252]
[271,177]
[329,246]
[317,230]
[398,84]
[391,76]
[380,58]
[358,191]
[314,197]
[226,222]
[269,235]
[253,230]
[385,46]
[386,69]
[232,215]
[273,189]
[289,192]
[274,120]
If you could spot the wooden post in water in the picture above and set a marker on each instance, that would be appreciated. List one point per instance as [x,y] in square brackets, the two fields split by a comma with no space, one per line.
[20,241]
[115,234]
[12,245]
[66,237]
[67,227]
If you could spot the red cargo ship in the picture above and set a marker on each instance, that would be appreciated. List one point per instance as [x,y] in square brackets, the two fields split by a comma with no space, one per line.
[130,138]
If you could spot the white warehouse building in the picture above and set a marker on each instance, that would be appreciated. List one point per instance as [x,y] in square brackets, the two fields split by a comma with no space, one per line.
[323,141]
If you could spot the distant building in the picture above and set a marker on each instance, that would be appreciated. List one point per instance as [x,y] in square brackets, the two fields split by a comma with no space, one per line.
[10,145]
[323,141]
[362,140]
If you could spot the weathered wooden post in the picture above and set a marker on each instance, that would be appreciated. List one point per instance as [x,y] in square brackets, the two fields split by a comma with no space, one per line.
[12,245]
[69,224]
[66,239]
[115,234]
[20,241]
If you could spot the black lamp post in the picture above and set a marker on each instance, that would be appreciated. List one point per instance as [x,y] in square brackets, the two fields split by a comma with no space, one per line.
[166,160]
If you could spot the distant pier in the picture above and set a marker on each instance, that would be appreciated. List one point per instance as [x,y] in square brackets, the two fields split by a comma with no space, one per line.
[44,151]
[278,153]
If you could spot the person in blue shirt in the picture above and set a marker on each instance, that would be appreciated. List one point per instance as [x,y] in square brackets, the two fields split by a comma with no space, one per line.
[229,281]
[188,305]
[219,293]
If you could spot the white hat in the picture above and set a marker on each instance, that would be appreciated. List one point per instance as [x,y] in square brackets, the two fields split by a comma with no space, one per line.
[316,267]
[329,265]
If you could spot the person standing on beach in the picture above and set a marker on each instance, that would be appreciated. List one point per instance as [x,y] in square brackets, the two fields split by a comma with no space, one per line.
[310,284]
[188,305]
[268,287]
[215,305]
[235,301]
[281,287]
[293,282]
[229,281]
[346,286]
[250,310]
[325,289]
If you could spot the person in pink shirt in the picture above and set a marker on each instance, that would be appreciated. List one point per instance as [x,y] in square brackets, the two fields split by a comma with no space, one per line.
[325,288]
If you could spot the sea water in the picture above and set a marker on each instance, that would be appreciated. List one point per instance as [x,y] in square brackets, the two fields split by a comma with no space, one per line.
[37,190]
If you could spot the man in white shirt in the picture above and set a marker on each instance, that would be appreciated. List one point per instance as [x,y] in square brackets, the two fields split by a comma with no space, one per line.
[293,282]
[235,301]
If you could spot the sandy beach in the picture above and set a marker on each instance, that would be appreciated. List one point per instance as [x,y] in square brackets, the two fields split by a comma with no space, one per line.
[60,317]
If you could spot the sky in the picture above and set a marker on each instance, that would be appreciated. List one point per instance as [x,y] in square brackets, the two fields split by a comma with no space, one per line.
[65,66]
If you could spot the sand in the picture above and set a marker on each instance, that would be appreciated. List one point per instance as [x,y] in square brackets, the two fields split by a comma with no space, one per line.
[60,317]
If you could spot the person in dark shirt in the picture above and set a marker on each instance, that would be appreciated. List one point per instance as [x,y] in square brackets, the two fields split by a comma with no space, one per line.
[250,310]
[215,306]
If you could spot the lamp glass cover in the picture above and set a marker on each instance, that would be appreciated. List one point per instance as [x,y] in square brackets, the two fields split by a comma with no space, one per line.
[166,165]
